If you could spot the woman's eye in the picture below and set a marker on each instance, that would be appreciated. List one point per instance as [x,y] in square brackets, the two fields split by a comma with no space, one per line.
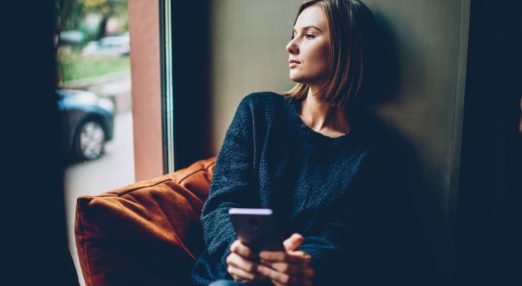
[309,36]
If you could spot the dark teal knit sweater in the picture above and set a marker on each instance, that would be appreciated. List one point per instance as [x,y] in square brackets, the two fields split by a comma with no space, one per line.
[312,182]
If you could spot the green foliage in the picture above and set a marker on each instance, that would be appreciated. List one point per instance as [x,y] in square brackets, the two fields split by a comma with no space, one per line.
[70,14]
[105,7]
[74,66]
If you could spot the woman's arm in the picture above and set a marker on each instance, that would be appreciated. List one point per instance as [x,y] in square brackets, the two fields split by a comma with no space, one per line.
[232,184]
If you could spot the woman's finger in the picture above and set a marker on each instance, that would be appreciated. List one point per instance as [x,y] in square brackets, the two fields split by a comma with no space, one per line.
[273,256]
[293,242]
[275,276]
[298,270]
[283,267]
[304,278]
[242,250]
[294,257]
[299,254]
[239,262]
[281,256]
[239,274]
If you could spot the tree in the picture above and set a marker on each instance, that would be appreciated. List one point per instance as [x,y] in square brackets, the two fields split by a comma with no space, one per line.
[106,8]
[64,10]
[71,13]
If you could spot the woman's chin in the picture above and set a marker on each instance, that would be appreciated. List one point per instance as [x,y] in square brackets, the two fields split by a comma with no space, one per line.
[295,78]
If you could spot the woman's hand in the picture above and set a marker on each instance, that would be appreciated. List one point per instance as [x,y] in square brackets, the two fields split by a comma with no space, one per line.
[241,263]
[290,267]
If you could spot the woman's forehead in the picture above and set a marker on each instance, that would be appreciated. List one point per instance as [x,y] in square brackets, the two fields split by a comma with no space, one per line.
[312,16]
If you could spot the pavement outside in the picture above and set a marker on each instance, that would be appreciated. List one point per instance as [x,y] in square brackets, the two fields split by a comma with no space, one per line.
[116,168]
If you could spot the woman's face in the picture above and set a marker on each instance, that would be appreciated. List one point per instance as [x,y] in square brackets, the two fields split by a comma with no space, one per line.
[309,50]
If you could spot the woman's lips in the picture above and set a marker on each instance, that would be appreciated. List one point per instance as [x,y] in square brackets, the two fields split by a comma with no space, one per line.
[293,63]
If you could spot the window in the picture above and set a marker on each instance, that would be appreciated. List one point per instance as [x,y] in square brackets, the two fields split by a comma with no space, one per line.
[94,92]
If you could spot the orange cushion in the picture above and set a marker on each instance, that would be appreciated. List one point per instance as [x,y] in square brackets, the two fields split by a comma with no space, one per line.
[147,233]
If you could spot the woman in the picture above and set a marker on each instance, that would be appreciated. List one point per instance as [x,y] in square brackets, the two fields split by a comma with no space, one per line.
[300,154]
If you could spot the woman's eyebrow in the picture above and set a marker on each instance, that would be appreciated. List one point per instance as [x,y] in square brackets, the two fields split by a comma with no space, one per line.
[307,28]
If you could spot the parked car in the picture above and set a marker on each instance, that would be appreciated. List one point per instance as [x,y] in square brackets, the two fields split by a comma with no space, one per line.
[117,45]
[88,123]
[73,37]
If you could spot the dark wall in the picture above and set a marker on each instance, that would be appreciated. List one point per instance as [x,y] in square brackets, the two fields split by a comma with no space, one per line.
[35,248]
[428,51]
[489,207]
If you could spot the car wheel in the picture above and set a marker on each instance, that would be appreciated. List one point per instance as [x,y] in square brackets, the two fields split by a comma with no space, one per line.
[90,141]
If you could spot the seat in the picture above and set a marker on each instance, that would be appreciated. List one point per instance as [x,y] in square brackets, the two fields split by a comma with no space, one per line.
[146,233]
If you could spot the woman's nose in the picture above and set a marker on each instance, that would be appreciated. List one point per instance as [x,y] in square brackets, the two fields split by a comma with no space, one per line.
[292,48]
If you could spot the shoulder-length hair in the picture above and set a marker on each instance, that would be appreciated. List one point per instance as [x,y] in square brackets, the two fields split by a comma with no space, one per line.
[351,25]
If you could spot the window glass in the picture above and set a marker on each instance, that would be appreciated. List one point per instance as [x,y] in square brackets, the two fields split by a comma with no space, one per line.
[94,99]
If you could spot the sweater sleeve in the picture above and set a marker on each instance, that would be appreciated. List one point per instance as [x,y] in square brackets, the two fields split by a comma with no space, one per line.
[231,186]
[325,241]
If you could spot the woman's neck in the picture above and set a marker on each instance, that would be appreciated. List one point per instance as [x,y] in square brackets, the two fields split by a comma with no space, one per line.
[323,117]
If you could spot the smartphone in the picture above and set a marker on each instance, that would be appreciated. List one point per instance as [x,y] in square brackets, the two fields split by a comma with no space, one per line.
[256,229]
